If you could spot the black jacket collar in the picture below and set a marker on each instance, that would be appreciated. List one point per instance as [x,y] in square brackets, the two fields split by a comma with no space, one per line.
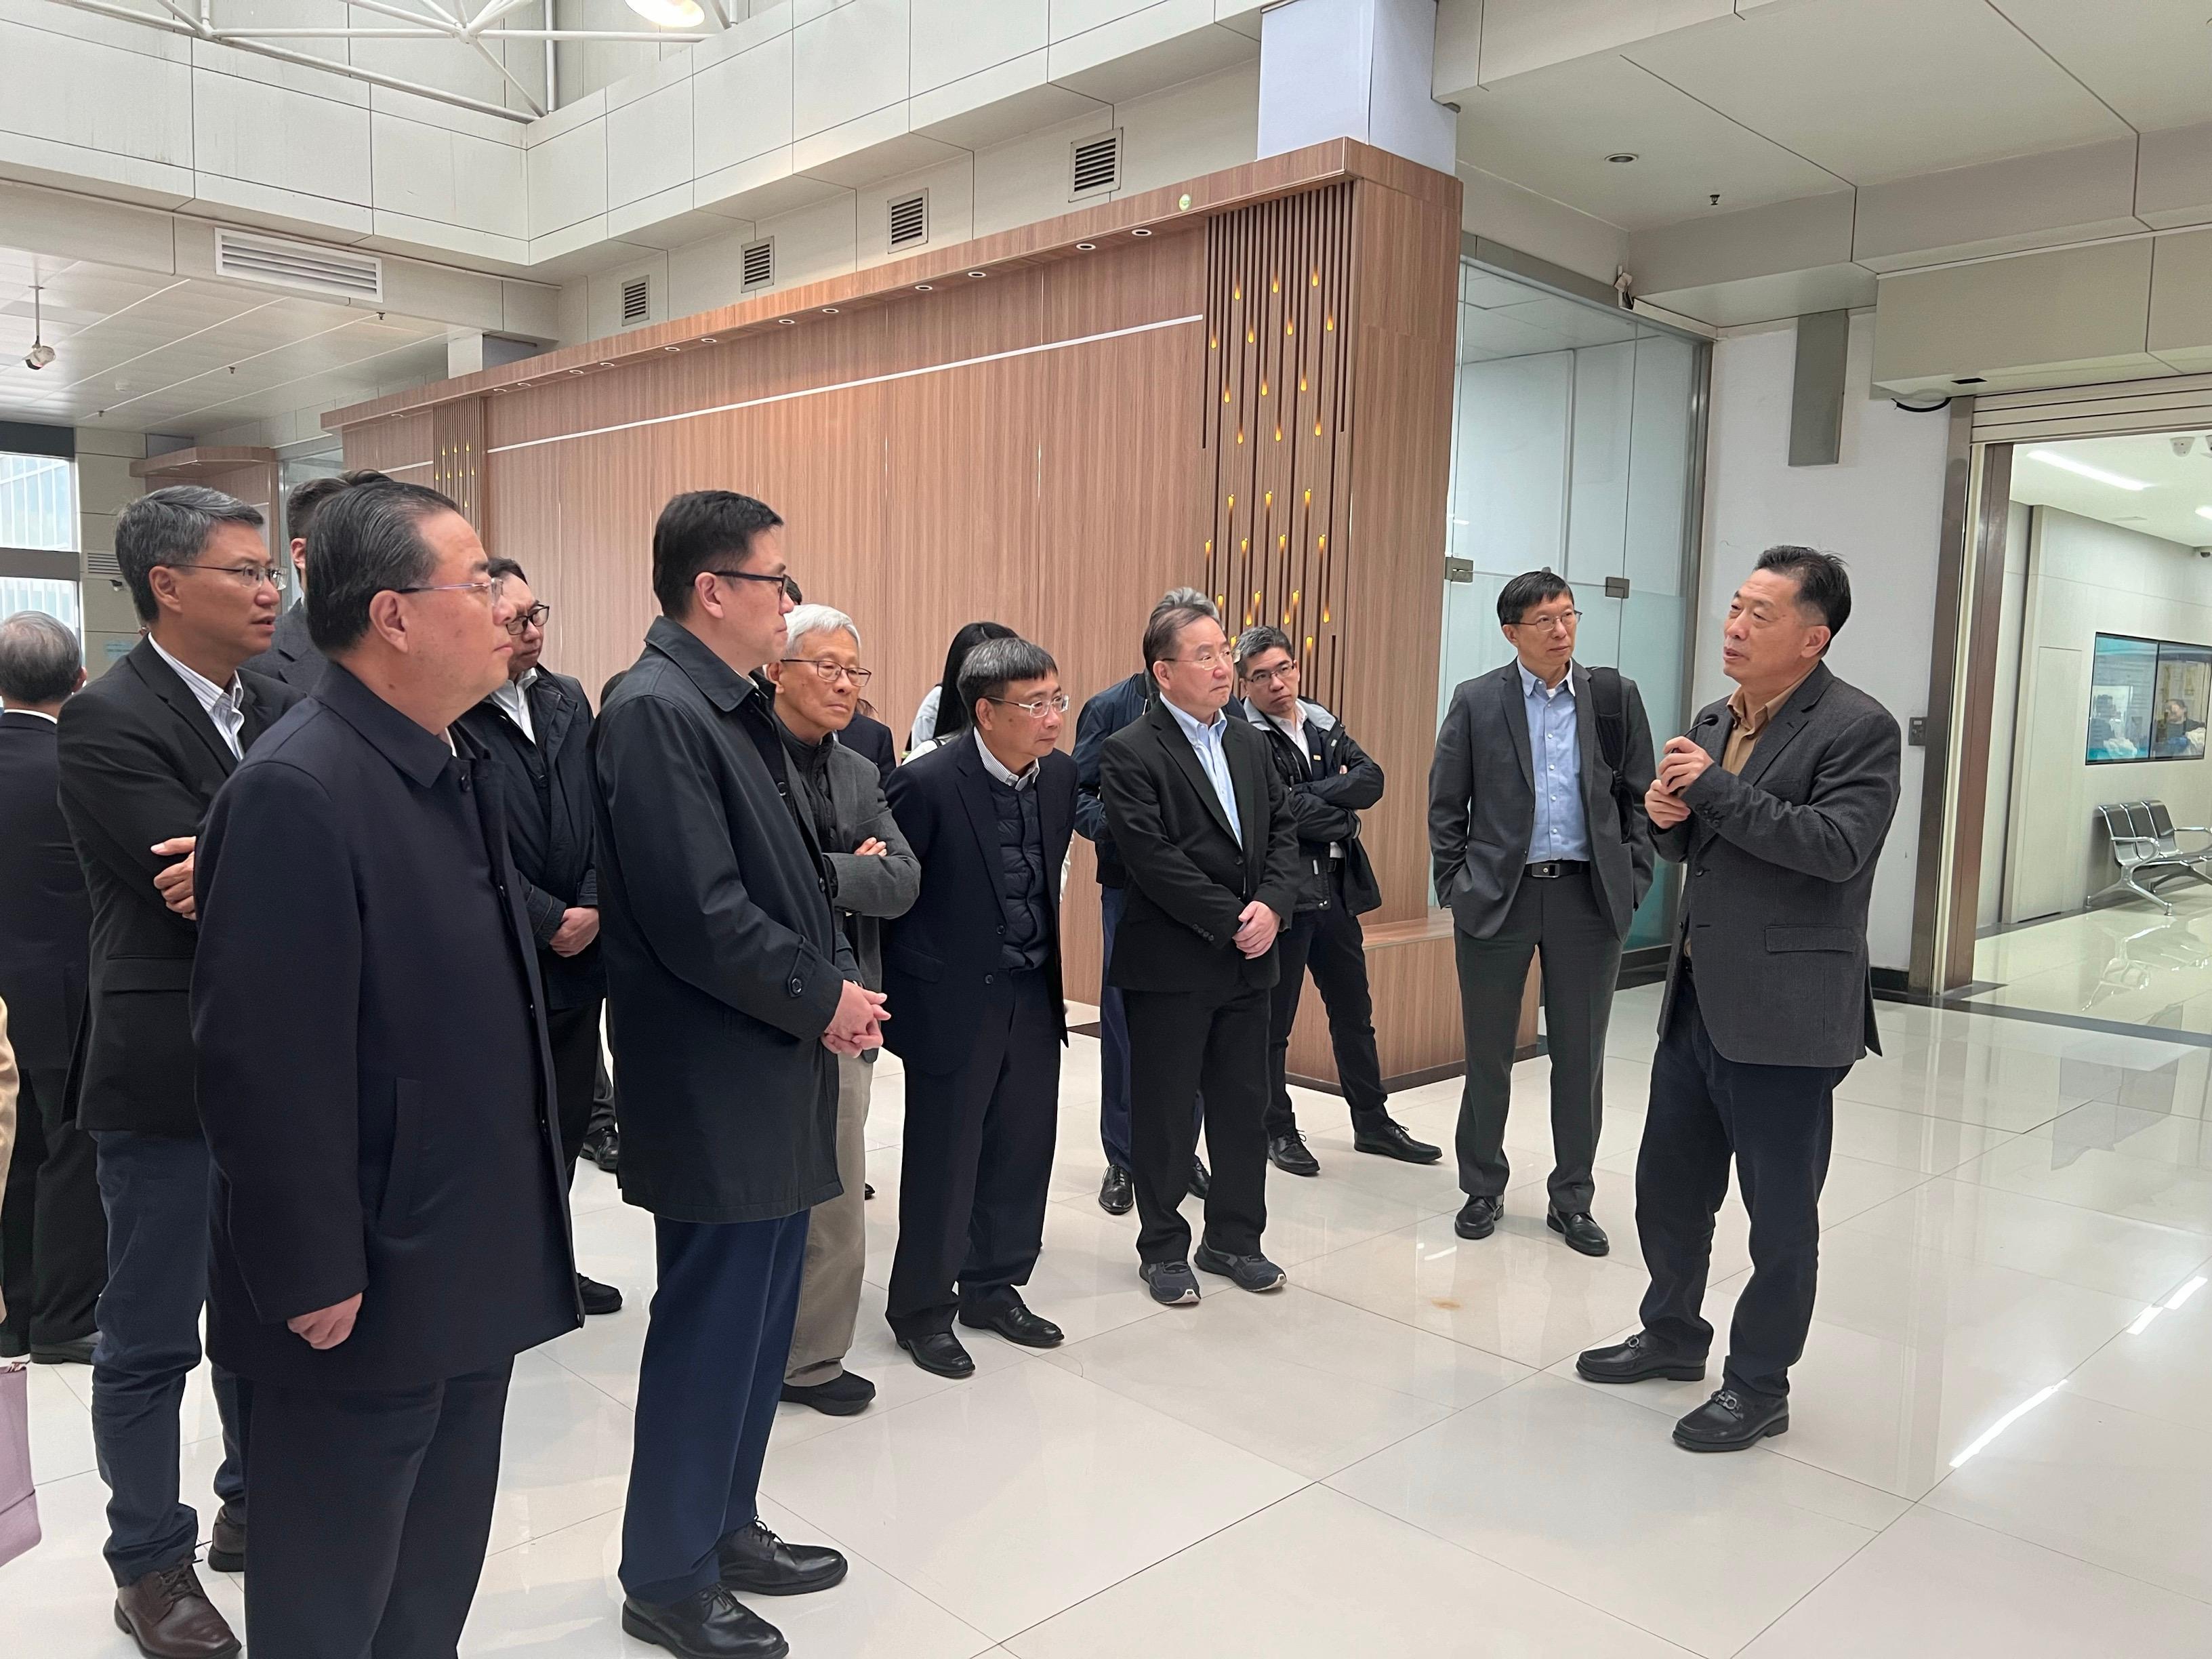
[413,753]
[719,683]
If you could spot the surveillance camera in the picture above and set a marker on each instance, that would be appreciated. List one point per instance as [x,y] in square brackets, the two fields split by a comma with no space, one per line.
[2184,443]
[2204,552]
[40,355]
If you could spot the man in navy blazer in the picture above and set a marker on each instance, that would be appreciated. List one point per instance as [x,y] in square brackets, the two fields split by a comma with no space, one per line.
[973,974]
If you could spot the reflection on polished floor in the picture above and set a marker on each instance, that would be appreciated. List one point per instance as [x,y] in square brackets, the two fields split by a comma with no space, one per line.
[2001,1439]
[2123,962]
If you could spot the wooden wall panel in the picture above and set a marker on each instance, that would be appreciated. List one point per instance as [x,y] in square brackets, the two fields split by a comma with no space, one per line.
[457,457]
[400,444]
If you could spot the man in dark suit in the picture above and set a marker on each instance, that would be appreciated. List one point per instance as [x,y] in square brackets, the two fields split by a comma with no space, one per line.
[142,751]
[973,970]
[731,992]
[389,1228]
[533,732]
[1537,827]
[872,876]
[1329,780]
[292,656]
[1778,802]
[1106,713]
[1203,822]
[53,1238]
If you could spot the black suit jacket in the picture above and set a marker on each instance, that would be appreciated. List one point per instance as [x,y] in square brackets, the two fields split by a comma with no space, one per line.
[944,960]
[45,920]
[373,1060]
[140,762]
[291,657]
[870,736]
[1188,877]
[548,799]
[723,963]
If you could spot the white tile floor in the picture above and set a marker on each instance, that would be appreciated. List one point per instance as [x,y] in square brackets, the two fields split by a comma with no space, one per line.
[2124,961]
[1393,1457]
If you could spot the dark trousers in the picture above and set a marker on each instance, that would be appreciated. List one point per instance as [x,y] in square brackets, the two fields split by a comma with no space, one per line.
[573,1037]
[1329,942]
[371,1512]
[155,1190]
[1565,919]
[1777,1122]
[975,1167]
[53,1235]
[1184,1041]
[1114,1050]
[603,1098]
[706,1388]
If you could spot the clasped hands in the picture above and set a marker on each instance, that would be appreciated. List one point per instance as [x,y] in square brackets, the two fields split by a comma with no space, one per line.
[1256,928]
[1682,764]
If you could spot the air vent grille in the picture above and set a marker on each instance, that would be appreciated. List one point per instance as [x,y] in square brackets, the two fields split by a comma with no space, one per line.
[637,301]
[98,565]
[299,266]
[758,259]
[1095,164]
[909,220]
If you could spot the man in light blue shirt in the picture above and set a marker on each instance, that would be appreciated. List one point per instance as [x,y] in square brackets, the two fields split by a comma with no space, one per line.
[1205,743]
[1562,828]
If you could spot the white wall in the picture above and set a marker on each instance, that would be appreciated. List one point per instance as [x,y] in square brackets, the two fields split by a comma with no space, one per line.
[1880,506]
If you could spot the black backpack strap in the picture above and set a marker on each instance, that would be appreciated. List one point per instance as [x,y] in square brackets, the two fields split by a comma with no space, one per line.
[1609,703]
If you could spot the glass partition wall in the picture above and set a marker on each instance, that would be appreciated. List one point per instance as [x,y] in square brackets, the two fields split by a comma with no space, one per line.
[1577,429]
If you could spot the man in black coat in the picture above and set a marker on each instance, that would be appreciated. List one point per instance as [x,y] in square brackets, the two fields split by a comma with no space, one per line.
[292,656]
[535,732]
[974,971]
[1203,822]
[53,1238]
[389,1228]
[1329,780]
[142,751]
[731,993]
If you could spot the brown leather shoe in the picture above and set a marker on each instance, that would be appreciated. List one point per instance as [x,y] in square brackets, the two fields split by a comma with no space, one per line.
[170,1617]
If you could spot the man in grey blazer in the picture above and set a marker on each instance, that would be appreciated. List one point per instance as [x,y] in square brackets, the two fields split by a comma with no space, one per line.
[1537,827]
[1778,802]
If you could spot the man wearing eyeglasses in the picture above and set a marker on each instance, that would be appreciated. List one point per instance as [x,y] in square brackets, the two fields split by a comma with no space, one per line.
[1541,844]
[534,731]
[141,753]
[973,973]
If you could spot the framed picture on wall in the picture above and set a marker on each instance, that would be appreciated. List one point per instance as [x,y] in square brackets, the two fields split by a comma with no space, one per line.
[2148,700]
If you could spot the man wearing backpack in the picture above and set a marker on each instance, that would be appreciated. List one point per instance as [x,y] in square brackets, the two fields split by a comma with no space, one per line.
[1540,843]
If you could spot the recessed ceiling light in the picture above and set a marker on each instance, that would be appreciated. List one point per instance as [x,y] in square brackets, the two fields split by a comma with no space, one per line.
[829,311]
[1087,247]
[669,14]
[788,322]
[925,287]
[706,339]
[1140,232]
[1621,158]
[976,273]
[673,348]
[2082,468]
[575,371]
[609,364]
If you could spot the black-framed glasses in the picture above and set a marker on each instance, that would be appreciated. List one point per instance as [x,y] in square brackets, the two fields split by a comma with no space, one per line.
[1207,658]
[832,670]
[534,617]
[1035,708]
[1289,670]
[253,575]
[744,576]
[486,586]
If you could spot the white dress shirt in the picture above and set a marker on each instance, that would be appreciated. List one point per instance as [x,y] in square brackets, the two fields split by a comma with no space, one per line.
[40,713]
[1015,781]
[1206,741]
[225,704]
[513,699]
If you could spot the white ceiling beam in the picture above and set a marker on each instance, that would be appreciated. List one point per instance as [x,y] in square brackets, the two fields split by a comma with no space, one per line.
[491,12]
[594,34]
[445,22]
[529,97]
[231,37]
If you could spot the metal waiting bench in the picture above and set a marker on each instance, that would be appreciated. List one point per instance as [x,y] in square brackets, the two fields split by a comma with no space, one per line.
[2147,847]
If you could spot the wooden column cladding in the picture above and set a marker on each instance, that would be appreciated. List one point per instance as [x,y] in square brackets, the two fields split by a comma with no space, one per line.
[456,459]
[1278,404]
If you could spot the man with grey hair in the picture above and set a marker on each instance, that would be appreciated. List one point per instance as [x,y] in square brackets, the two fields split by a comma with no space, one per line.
[53,1239]
[973,972]
[142,752]
[872,875]
[1103,715]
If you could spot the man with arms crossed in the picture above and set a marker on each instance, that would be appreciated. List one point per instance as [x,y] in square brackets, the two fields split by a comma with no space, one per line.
[1777,801]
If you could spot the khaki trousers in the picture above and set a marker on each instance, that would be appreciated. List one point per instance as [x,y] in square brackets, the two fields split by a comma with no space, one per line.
[837,1244]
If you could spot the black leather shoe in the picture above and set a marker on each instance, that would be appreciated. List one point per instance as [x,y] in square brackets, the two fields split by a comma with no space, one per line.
[1172,1283]
[842,1395]
[1117,1193]
[756,1562]
[1636,1360]
[604,1148]
[1289,1153]
[1201,1182]
[1732,1422]
[1247,1273]
[1477,1218]
[226,1543]
[1581,1232]
[598,1299]
[939,1353]
[1015,1323]
[74,1353]
[712,1624]
[867,1189]
[1386,1137]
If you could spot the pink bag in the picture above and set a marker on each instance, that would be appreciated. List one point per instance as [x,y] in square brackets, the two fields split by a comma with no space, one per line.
[19,1503]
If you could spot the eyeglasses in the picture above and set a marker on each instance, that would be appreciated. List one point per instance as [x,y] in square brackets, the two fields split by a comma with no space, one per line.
[1208,658]
[1057,702]
[485,587]
[1289,670]
[534,617]
[1559,625]
[253,575]
[744,576]
[832,670]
